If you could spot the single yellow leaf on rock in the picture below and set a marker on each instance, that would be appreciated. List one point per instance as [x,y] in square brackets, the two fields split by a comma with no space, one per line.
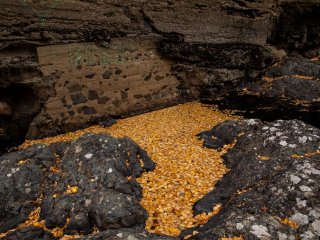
[264,158]
[232,238]
[289,223]
[71,190]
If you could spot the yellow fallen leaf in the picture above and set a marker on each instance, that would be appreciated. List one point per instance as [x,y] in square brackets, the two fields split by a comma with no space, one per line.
[174,231]
[289,223]
[232,238]
[264,158]
[71,190]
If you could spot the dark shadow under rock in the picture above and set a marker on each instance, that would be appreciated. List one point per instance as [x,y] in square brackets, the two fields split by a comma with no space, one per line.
[272,190]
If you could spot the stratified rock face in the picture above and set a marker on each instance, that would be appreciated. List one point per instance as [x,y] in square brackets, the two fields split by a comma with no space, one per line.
[272,189]
[126,77]
[93,185]
[77,64]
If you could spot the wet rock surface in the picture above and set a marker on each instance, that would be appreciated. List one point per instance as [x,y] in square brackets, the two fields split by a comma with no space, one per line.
[21,184]
[289,89]
[29,233]
[272,190]
[295,80]
[126,234]
[80,185]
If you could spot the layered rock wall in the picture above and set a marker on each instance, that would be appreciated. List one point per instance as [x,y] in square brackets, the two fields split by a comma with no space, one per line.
[126,77]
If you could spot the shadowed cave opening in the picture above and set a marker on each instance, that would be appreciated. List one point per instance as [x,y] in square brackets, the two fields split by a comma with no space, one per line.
[19,105]
[266,109]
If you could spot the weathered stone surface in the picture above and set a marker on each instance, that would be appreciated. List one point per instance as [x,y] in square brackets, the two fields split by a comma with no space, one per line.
[271,190]
[20,184]
[288,90]
[295,80]
[126,234]
[92,185]
[29,233]
[104,193]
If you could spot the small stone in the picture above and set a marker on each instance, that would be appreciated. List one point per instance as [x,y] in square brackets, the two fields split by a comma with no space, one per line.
[88,156]
[315,171]
[260,231]
[251,122]
[300,218]
[316,227]
[239,226]
[303,139]
[308,236]
[294,179]
[282,236]
[283,143]
[301,203]
[292,145]
[305,188]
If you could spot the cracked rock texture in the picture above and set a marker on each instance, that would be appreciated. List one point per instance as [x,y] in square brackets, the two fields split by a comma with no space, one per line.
[68,64]
[289,89]
[78,186]
[272,190]
[126,234]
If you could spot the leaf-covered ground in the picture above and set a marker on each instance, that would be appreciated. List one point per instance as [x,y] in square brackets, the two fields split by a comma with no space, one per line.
[185,170]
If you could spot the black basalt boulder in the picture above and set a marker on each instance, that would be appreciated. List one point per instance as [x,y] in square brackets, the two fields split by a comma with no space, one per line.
[272,190]
[79,186]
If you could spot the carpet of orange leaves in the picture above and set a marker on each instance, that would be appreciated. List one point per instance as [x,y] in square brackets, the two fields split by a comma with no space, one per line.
[185,171]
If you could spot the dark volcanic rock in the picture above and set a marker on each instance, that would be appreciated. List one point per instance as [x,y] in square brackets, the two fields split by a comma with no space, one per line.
[20,184]
[92,185]
[295,65]
[296,81]
[29,233]
[231,56]
[289,89]
[98,166]
[126,234]
[272,189]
